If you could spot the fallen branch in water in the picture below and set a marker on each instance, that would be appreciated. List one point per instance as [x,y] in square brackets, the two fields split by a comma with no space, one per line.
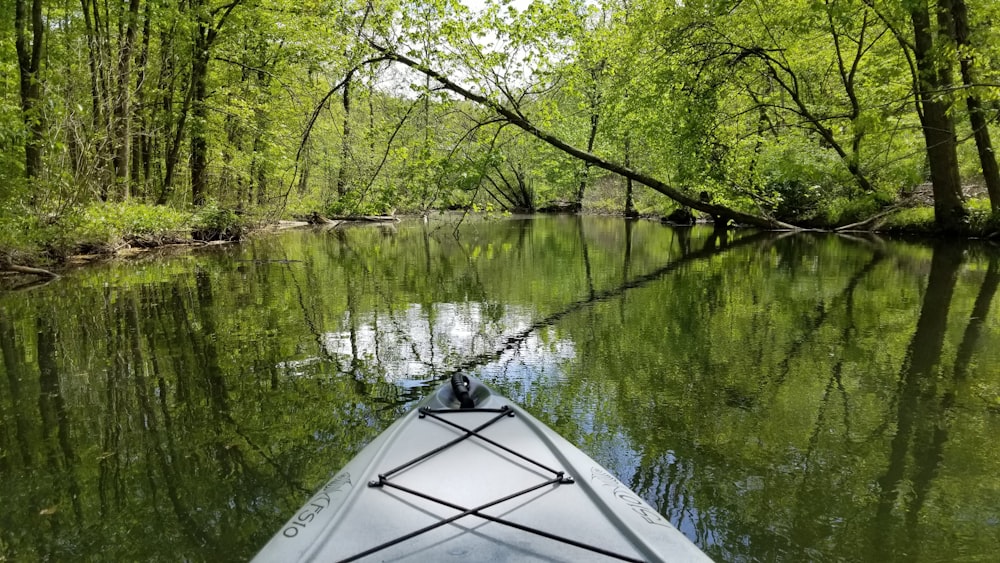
[28,270]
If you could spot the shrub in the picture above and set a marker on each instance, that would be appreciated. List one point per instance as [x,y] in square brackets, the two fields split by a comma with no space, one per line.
[982,220]
[795,200]
[914,219]
[212,222]
[108,226]
[845,211]
[19,235]
[353,204]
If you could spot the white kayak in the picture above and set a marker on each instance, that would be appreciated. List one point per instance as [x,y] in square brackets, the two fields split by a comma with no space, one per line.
[470,476]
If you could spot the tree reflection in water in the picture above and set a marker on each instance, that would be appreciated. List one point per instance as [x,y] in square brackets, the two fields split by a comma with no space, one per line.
[797,397]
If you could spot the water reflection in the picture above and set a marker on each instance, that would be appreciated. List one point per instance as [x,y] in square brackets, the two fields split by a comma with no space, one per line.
[414,344]
[796,397]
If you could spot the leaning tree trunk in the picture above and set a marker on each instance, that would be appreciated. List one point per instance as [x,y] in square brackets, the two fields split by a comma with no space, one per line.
[513,117]
[977,115]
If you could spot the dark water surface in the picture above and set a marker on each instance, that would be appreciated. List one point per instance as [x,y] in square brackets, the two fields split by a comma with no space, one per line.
[779,398]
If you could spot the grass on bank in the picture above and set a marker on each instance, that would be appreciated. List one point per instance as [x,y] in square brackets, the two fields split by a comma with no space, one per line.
[104,228]
[982,223]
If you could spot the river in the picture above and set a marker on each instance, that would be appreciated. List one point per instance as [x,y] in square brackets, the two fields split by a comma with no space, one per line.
[779,397]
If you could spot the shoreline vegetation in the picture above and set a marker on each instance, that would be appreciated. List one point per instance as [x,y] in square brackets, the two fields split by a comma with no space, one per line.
[123,232]
[108,232]
[136,124]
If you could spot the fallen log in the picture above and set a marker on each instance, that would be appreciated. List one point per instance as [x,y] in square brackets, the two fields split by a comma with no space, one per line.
[314,218]
[29,270]
[366,218]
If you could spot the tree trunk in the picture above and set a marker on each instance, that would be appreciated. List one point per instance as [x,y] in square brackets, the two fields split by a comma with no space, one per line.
[977,116]
[174,127]
[304,175]
[98,56]
[939,129]
[630,210]
[29,60]
[591,138]
[123,103]
[140,136]
[199,115]
[173,150]
[258,166]
[345,142]
[93,60]
[207,30]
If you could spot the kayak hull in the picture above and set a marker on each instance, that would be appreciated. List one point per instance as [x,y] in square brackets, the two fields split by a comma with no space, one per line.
[485,484]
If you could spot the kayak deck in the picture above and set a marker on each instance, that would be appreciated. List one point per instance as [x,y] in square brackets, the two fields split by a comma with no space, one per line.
[488,483]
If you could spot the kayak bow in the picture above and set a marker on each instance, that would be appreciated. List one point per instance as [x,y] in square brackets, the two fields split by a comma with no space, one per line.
[470,476]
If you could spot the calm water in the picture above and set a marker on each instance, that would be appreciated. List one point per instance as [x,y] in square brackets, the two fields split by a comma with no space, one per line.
[779,398]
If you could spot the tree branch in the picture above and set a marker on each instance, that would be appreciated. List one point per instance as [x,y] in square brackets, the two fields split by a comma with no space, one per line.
[517,120]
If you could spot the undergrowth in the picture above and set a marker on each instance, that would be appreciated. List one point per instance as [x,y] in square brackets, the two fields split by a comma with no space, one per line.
[106,227]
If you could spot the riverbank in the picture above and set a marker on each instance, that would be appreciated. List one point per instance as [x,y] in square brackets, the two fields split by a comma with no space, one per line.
[35,252]
[38,250]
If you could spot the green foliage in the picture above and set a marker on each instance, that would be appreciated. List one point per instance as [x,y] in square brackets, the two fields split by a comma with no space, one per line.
[796,96]
[456,199]
[794,200]
[978,205]
[303,205]
[19,235]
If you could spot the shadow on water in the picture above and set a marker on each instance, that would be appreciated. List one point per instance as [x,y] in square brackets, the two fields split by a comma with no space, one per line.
[778,398]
